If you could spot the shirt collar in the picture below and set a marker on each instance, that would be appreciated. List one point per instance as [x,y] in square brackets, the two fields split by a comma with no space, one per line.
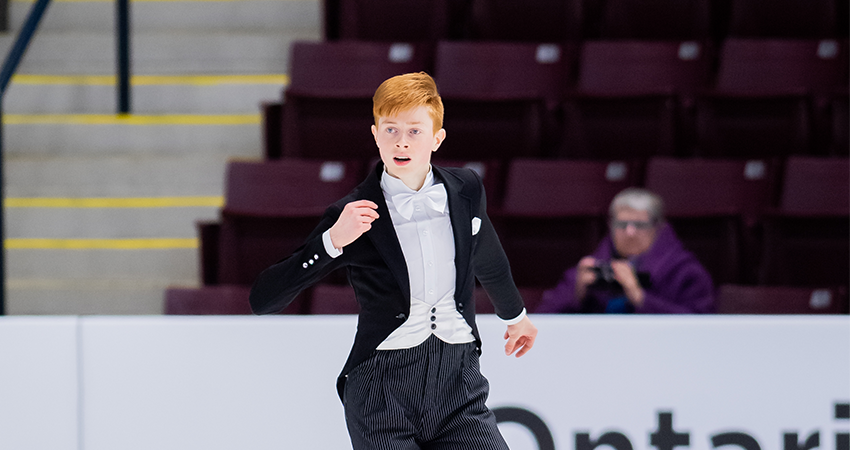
[393,186]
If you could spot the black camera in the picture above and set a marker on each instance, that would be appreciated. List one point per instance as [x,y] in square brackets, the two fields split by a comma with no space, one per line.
[605,278]
[604,275]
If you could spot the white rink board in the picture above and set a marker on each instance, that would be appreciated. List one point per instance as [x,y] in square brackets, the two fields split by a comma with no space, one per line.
[269,382]
[38,383]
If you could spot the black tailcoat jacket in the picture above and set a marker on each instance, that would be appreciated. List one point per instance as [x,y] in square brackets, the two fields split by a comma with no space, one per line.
[377,270]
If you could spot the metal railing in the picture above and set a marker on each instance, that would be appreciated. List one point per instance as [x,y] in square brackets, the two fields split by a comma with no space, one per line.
[10,65]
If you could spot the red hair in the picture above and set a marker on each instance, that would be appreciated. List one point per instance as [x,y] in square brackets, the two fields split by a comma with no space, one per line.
[408,91]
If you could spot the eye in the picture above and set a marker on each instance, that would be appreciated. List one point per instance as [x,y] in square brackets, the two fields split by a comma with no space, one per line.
[390,130]
[415,131]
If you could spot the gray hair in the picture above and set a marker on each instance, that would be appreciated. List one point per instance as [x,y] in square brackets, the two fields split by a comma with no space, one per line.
[639,200]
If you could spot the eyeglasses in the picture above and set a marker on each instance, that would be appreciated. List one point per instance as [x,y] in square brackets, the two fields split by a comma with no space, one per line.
[637,224]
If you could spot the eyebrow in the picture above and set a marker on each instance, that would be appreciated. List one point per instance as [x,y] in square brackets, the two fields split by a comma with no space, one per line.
[393,122]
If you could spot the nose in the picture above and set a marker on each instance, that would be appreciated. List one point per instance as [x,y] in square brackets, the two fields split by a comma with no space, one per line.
[630,229]
[401,142]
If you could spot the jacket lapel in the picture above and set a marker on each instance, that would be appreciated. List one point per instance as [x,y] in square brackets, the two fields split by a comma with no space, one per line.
[461,218]
[383,235]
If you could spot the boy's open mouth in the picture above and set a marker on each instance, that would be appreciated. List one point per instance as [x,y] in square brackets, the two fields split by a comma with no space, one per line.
[401,158]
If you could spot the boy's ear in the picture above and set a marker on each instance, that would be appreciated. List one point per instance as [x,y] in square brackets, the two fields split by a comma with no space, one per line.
[439,138]
[375,133]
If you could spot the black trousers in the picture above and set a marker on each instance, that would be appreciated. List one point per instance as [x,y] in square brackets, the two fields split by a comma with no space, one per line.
[428,397]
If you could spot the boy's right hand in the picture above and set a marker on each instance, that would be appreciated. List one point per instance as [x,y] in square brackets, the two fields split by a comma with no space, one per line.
[356,218]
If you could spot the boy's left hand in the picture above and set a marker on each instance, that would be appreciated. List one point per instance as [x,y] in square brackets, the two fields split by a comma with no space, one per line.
[520,337]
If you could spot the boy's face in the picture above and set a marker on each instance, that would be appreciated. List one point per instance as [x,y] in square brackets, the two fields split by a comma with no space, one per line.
[406,142]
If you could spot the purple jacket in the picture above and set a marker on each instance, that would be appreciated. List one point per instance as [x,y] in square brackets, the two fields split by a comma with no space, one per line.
[679,283]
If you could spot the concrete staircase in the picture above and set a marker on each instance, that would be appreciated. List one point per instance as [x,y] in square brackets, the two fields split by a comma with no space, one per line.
[101,209]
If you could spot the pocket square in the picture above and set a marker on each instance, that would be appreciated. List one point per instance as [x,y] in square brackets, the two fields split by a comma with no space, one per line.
[476,225]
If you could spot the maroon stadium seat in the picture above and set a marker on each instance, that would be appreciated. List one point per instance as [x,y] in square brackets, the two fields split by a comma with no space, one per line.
[270,209]
[807,240]
[554,212]
[496,94]
[207,300]
[629,96]
[327,112]
[762,101]
[218,300]
[713,205]
[736,299]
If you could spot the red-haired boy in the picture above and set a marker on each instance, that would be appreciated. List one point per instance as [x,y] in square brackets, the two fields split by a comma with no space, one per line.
[413,237]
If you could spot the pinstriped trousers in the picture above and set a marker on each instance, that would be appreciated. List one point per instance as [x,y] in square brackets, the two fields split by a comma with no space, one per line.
[431,396]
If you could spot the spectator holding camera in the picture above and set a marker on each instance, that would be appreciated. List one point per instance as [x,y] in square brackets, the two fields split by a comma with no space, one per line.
[640,267]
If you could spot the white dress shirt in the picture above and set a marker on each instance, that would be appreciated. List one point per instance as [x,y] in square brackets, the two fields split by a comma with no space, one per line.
[428,246]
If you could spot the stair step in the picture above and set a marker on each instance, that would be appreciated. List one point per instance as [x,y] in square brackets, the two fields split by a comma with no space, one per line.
[198,174]
[164,15]
[161,53]
[234,135]
[177,263]
[80,228]
[95,281]
[150,94]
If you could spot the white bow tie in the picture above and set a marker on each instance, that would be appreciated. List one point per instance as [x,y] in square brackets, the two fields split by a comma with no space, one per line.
[434,197]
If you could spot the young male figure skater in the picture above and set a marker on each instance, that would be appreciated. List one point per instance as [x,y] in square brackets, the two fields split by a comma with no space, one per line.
[413,238]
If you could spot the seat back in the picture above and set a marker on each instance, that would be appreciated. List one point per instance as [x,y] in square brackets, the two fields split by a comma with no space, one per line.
[270,209]
[287,187]
[737,299]
[713,205]
[496,95]
[807,241]
[628,98]
[771,67]
[328,104]
[816,186]
[554,213]
[218,300]
[765,94]
[633,67]
[557,188]
[695,187]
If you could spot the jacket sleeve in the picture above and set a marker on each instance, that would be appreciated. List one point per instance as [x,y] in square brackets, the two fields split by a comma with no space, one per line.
[491,266]
[277,286]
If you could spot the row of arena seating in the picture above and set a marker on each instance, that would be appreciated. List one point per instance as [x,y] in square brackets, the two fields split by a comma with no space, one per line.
[747,98]
[743,133]
[767,222]
[561,20]
[339,299]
